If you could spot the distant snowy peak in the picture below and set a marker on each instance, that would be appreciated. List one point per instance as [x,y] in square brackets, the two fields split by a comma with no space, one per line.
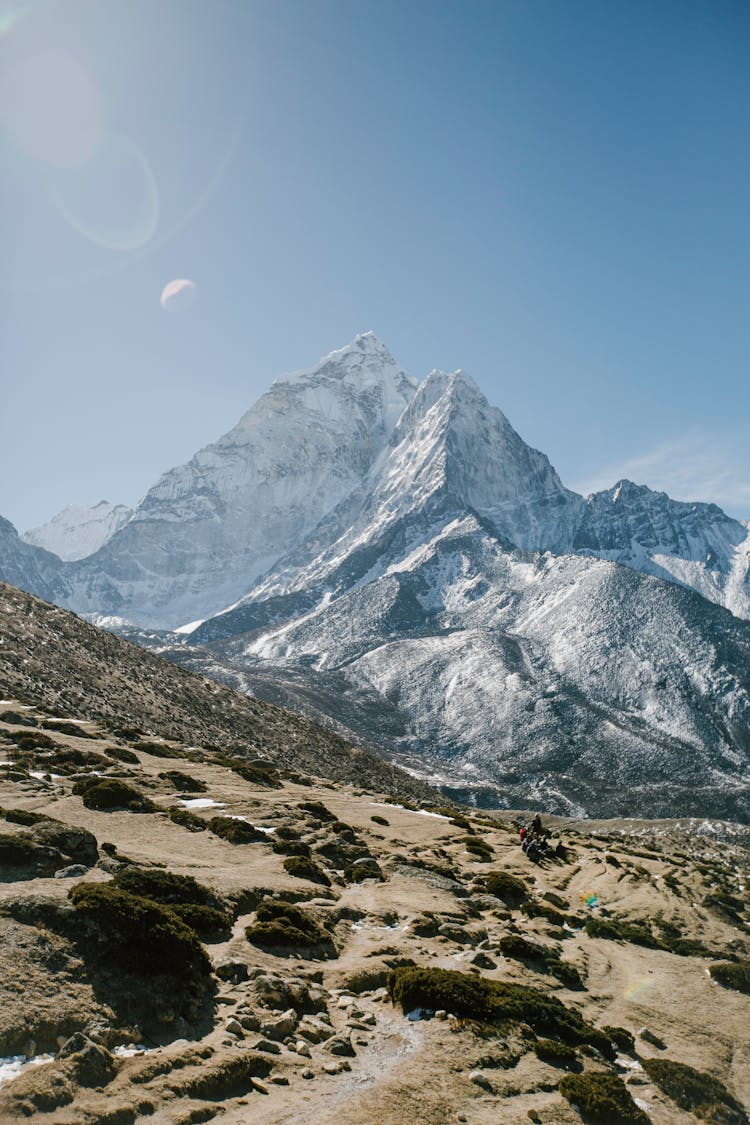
[694,544]
[80,529]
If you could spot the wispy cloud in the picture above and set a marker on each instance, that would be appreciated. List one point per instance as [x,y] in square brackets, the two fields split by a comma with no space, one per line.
[708,467]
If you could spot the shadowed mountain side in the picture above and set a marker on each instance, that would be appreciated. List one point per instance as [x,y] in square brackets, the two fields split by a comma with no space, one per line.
[50,655]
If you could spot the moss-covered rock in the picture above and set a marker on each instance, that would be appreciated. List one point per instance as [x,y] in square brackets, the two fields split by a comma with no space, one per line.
[236,831]
[316,809]
[303,868]
[493,1002]
[183,782]
[603,1099]
[281,925]
[138,933]
[186,819]
[107,793]
[695,1091]
[509,888]
[732,974]
[557,1054]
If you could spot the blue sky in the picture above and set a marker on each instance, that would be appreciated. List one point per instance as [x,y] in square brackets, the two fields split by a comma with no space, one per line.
[552,195]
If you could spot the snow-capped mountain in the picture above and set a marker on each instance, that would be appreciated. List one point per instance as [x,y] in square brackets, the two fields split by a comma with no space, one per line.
[396,559]
[79,530]
[456,603]
[207,529]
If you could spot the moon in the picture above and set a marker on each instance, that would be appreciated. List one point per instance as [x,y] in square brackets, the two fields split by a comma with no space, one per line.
[177,294]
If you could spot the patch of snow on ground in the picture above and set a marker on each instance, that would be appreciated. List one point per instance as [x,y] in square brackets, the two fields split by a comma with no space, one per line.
[127,1051]
[12,1065]
[418,812]
[201,803]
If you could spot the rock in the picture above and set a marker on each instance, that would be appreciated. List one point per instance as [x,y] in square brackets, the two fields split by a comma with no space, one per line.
[455,933]
[302,1048]
[314,1029]
[234,1027]
[280,1080]
[249,1021]
[231,970]
[482,961]
[268,1047]
[441,1014]
[340,1045]
[281,1026]
[333,1067]
[649,1037]
[257,1085]
[307,1073]
[73,871]
[479,1079]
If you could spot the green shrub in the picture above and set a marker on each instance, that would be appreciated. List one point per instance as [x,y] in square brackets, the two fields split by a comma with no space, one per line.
[494,1002]
[24,817]
[557,1054]
[207,921]
[697,1092]
[303,868]
[284,832]
[507,887]
[183,782]
[258,775]
[63,727]
[32,740]
[291,847]
[603,1099]
[236,831]
[139,933]
[20,851]
[107,793]
[316,809]
[365,980]
[120,754]
[615,930]
[477,847]
[461,822]
[164,886]
[357,872]
[380,820]
[512,945]
[156,749]
[281,925]
[186,819]
[732,975]
[621,1037]
[542,910]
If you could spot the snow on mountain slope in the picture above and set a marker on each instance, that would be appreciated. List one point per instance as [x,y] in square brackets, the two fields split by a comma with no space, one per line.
[80,529]
[696,545]
[207,529]
[568,680]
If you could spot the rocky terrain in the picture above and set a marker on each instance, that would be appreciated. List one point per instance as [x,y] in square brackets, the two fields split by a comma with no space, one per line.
[235,929]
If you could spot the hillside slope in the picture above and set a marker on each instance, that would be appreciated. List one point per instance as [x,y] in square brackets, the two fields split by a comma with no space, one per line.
[64,664]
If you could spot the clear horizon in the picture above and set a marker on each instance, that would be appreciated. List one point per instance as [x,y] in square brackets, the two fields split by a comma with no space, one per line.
[553,198]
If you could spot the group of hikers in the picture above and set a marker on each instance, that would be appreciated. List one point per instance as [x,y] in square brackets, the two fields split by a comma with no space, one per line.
[536,843]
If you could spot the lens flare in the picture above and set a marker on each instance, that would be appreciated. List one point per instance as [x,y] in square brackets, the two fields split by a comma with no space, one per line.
[638,989]
[112,198]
